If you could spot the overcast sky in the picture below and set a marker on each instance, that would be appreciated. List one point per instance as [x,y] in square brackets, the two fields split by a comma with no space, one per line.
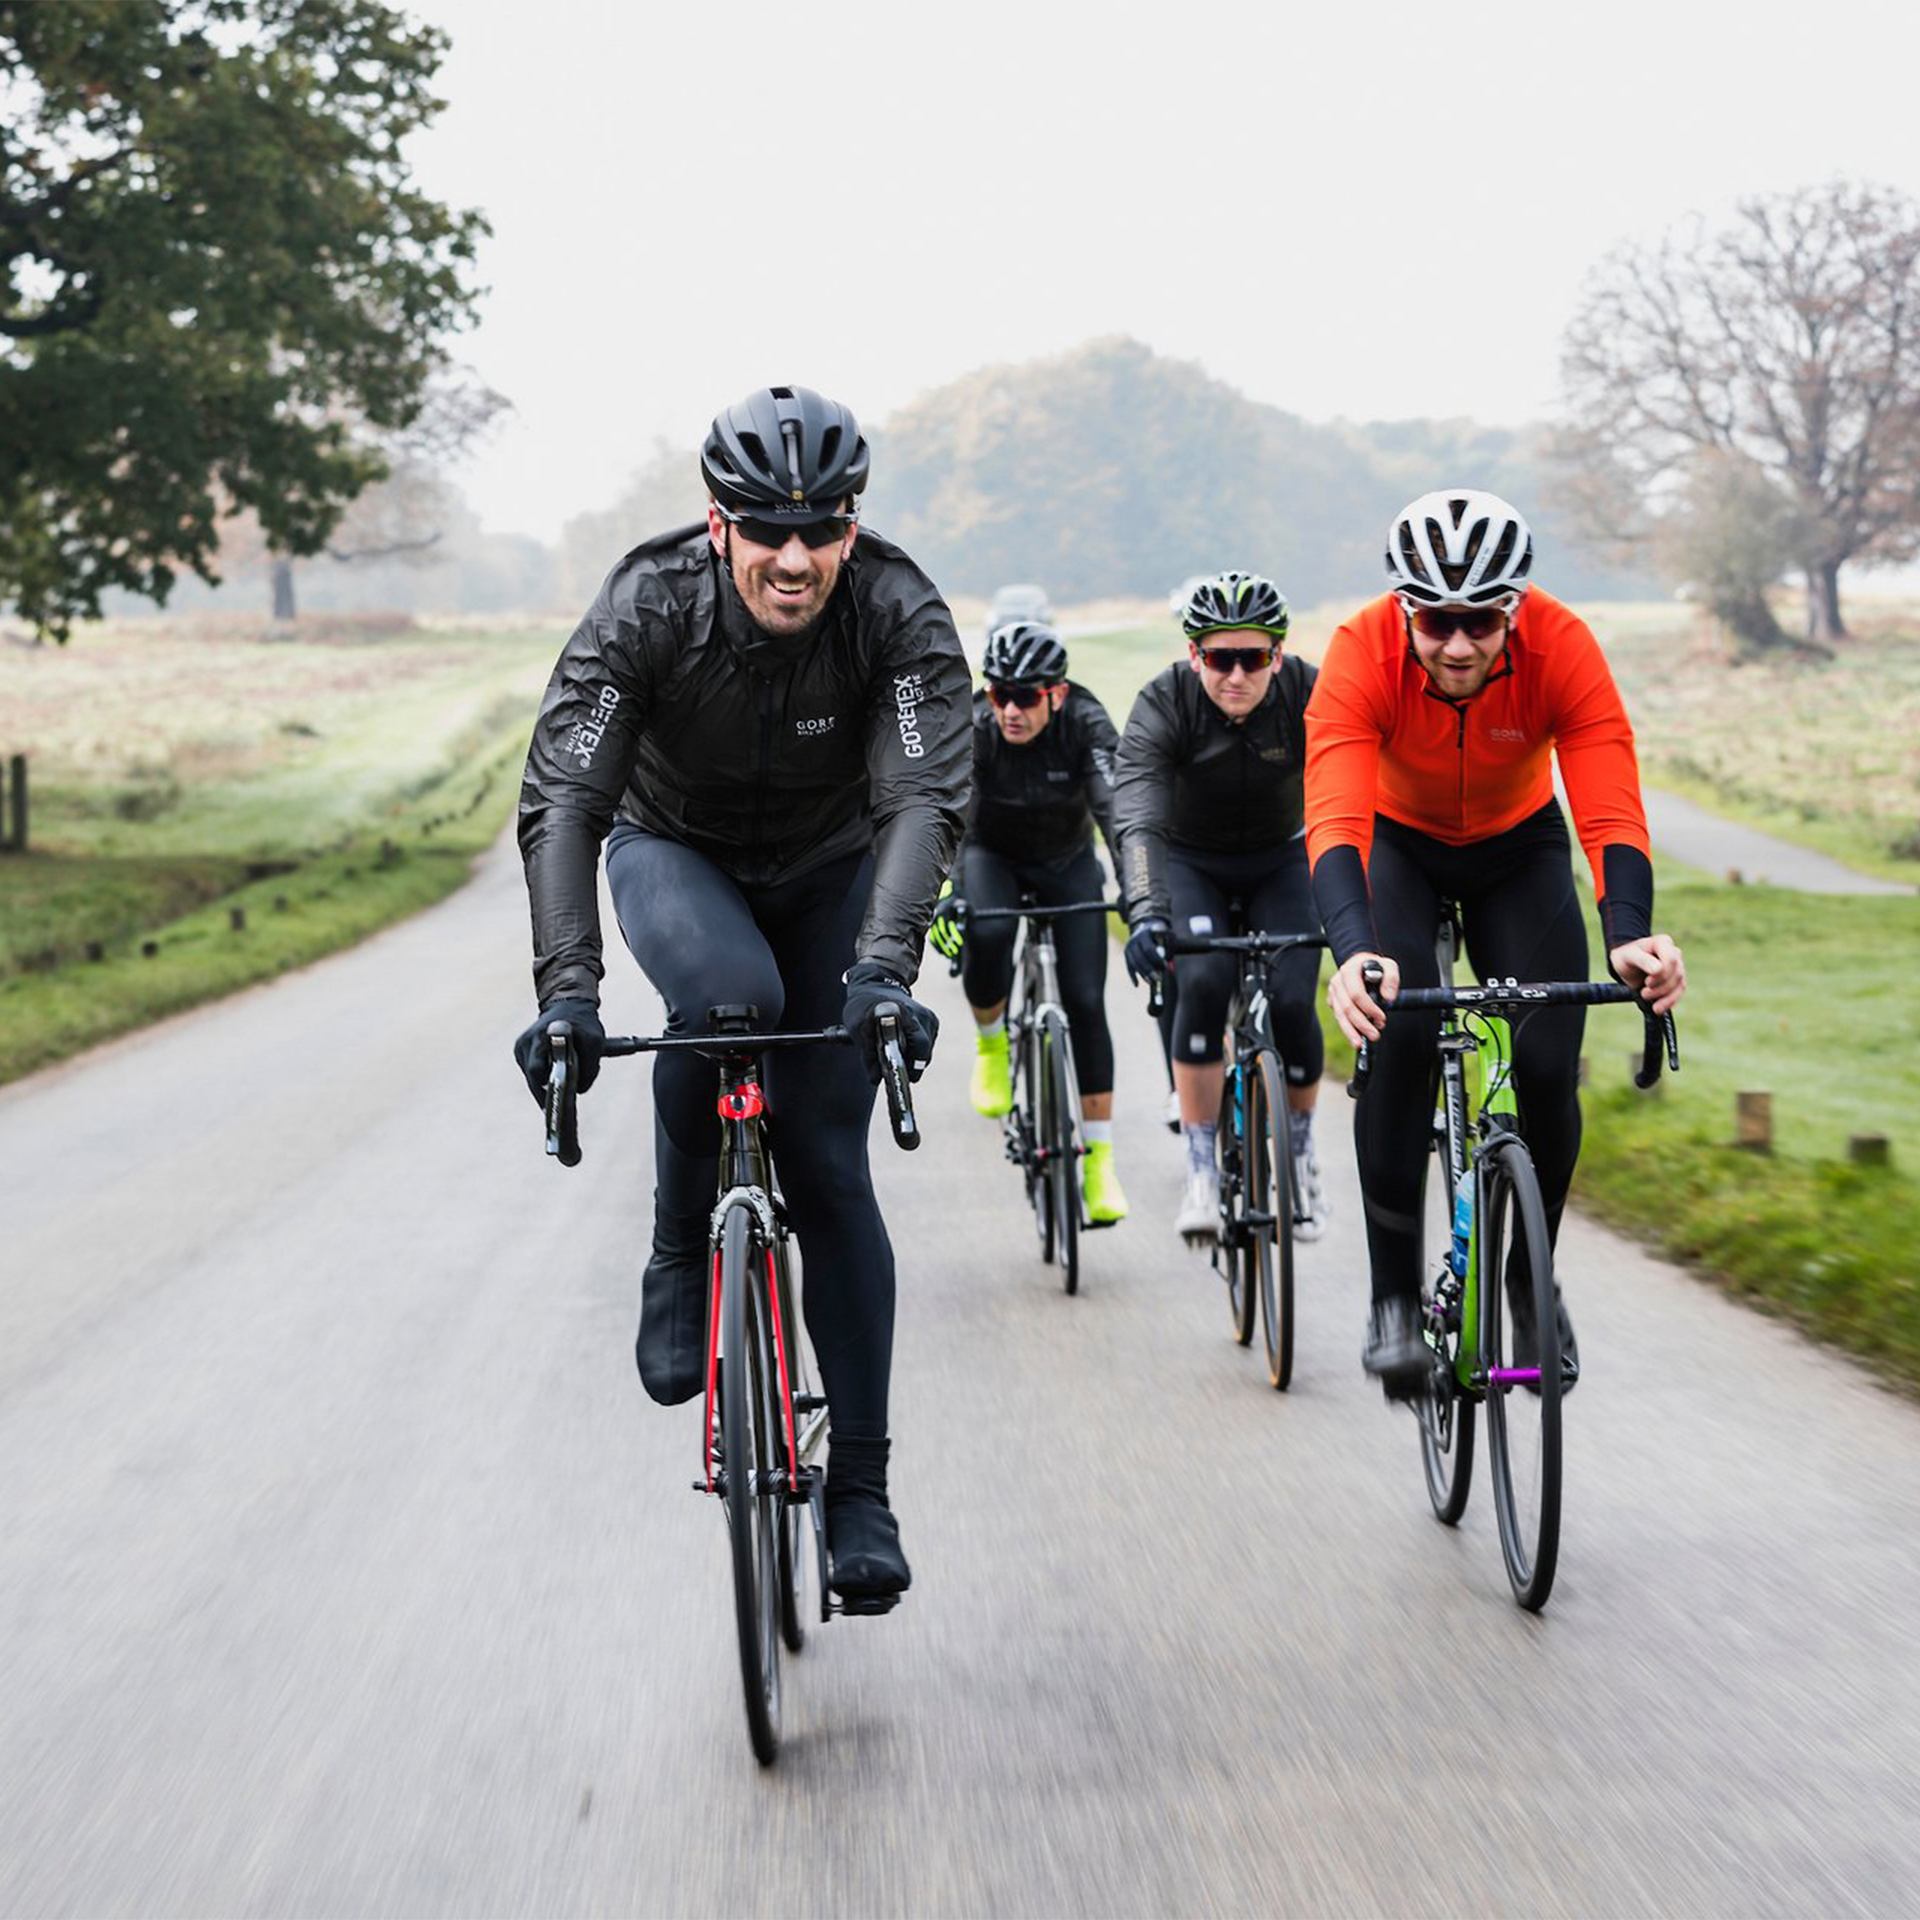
[1372,211]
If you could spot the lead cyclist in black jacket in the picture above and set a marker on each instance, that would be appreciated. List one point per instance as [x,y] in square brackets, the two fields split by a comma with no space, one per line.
[767,720]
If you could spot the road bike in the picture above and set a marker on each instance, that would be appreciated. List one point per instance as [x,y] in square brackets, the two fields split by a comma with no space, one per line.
[1253,1245]
[1489,1311]
[765,1422]
[1042,1129]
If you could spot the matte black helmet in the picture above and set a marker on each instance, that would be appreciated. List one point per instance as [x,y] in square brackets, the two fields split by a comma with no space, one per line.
[1024,653]
[1235,599]
[784,453]
[1459,548]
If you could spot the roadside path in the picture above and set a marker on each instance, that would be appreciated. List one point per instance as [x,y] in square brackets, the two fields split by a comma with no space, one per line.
[1717,847]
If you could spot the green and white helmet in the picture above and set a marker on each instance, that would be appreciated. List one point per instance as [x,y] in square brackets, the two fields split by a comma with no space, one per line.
[1234,599]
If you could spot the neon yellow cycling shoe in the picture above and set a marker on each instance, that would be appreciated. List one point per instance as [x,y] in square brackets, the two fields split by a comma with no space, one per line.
[1106,1203]
[992,1083]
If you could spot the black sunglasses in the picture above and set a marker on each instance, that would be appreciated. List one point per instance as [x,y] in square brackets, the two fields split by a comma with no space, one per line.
[1225,659]
[814,534]
[1003,695]
[1477,623]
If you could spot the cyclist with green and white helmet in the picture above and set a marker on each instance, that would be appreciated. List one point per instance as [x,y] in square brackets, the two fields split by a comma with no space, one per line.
[1042,777]
[1210,809]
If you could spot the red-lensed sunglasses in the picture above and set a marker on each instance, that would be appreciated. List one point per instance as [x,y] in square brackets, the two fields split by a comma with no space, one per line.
[1441,623]
[1248,659]
[1005,695]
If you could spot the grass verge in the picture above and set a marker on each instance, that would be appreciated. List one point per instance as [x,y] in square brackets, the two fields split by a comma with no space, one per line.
[230,809]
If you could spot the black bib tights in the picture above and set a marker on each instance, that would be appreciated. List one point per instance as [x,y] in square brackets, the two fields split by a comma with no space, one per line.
[1523,921]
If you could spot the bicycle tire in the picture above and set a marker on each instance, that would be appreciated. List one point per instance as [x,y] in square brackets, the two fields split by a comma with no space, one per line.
[1034,1125]
[791,1546]
[1270,1208]
[753,1497]
[1063,1166]
[1447,1417]
[1523,1424]
[1238,1123]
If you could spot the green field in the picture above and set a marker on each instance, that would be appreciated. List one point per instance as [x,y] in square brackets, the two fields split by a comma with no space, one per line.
[322,788]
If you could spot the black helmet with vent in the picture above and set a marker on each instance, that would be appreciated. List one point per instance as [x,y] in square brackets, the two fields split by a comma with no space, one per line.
[1024,653]
[785,453]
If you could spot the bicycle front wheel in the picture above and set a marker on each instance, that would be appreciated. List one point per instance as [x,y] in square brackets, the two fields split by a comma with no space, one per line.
[1239,1126]
[755,1498]
[1520,1348]
[792,1542]
[1062,1162]
[1270,1215]
[1032,1098]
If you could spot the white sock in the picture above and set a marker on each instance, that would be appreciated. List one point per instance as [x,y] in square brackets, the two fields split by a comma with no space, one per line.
[1097,1131]
[986,1030]
[1199,1146]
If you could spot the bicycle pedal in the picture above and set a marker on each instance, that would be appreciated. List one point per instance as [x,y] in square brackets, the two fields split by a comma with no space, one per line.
[1098,1226]
[867,1603]
[808,1402]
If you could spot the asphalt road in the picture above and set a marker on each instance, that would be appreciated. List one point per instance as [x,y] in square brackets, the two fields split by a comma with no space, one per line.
[346,1571]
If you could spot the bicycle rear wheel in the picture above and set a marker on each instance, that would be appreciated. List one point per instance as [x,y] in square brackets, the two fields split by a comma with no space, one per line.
[1062,1164]
[1523,1413]
[754,1497]
[1446,1415]
[1239,1125]
[1269,1162]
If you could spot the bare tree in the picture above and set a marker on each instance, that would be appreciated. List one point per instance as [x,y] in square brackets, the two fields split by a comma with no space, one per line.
[403,514]
[1788,343]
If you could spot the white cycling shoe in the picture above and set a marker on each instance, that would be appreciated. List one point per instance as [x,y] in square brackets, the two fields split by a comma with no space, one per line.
[1199,1215]
[1312,1209]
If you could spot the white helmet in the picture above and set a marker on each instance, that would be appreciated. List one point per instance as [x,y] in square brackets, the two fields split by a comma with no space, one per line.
[1459,548]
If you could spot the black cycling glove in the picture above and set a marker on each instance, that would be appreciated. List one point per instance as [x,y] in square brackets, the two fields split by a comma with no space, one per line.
[1146,954]
[530,1050]
[869,987]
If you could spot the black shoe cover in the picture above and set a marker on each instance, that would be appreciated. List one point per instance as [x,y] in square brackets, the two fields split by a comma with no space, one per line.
[863,1538]
[671,1348]
[1395,1353]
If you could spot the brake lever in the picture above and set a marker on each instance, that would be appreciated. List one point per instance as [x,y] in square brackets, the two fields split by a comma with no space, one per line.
[563,1106]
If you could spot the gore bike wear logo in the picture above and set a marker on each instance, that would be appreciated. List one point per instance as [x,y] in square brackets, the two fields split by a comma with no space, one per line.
[813,729]
[1506,733]
[584,741]
[908,691]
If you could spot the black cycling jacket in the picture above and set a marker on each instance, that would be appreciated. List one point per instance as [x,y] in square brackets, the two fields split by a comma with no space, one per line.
[671,709]
[1189,775]
[1036,803]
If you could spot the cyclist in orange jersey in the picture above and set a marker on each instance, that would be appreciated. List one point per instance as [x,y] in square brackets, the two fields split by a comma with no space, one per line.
[1430,738]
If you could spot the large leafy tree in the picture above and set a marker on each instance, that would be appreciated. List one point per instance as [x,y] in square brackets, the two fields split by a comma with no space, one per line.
[221,285]
[1779,355]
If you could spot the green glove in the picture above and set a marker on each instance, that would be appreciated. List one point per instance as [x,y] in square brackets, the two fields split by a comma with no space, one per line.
[948,933]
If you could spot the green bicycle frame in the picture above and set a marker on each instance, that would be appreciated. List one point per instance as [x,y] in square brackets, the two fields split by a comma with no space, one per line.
[1495,1107]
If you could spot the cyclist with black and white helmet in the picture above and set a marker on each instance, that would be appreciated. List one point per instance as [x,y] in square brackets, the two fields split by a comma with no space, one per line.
[1439,709]
[1209,807]
[765,719]
[1042,777]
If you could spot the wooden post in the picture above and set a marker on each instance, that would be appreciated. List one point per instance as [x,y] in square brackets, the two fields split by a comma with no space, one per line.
[17,781]
[1869,1150]
[1753,1121]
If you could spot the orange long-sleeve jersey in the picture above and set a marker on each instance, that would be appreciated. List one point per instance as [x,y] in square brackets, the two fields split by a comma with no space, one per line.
[1380,739]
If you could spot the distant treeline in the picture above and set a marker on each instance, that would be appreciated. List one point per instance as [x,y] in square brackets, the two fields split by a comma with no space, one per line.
[1113,470]
[1109,470]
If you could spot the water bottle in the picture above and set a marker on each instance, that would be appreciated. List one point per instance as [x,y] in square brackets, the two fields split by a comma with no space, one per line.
[1462,1224]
